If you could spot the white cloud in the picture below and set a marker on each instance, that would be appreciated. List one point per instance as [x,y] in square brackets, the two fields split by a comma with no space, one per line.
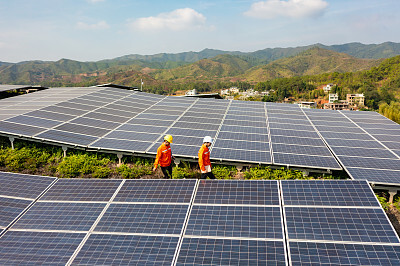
[177,20]
[292,8]
[101,25]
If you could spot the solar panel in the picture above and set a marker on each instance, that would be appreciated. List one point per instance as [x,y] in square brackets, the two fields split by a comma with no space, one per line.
[81,190]
[306,160]
[23,186]
[299,149]
[235,221]
[241,155]
[11,209]
[102,249]
[389,164]
[339,224]
[328,193]
[375,175]
[66,137]
[162,191]
[200,251]
[60,216]
[254,192]
[38,247]
[143,219]
[33,121]
[307,253]
[121,144]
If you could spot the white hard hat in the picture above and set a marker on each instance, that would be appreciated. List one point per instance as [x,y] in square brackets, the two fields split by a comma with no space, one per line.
[207,139]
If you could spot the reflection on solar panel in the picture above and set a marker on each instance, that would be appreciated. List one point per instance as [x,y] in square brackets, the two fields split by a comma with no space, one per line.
[307,253]
[199,251]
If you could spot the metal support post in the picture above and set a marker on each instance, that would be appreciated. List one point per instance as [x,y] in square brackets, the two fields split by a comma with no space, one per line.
[119,155]
[12,142]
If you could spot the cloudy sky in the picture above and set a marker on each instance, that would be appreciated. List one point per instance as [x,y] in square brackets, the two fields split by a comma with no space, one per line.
[91,30]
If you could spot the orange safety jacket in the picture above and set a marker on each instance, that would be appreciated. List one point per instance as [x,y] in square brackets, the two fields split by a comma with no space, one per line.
[164,156]
[204,157]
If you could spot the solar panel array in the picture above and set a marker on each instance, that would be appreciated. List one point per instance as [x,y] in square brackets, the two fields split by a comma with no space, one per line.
[186,222]
[366,143]
[117,120]
[337,222]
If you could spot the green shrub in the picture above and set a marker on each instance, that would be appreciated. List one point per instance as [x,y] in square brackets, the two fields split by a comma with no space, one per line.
[268,173]
[134,171]
[23,158]
[78,165]
[184,172]
[383,201]
[224,172]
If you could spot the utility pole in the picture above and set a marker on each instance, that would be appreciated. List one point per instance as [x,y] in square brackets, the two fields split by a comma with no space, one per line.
[141,85]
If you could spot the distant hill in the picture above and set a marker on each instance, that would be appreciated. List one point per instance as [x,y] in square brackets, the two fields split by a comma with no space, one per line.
[207,64]
[310,62]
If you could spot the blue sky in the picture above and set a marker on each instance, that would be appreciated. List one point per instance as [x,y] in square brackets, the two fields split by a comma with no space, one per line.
[92,30]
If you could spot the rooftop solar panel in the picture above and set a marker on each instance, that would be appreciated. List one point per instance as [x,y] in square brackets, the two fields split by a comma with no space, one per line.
[101,249]
[82,190]
[162,191]
[311,253]
[328,193]
[339,224]
[247,192]
[143,219]
[235,221]
[60,216]
[200,251]
[18,248]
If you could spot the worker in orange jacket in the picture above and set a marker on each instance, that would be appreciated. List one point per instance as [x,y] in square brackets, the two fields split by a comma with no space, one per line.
[164,157]
[204,159]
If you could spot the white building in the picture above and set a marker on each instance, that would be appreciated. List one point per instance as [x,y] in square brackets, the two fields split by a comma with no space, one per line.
[333,97]
[328,87]
[307,104]
[191,92]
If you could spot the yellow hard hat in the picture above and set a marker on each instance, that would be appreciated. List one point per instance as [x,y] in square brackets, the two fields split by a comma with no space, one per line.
[168,138]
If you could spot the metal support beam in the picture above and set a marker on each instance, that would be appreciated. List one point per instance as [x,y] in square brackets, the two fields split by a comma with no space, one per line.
[177,162]
[119,155]
[12,142]
[64,148]
[239,167]
[306,173]
[392,193]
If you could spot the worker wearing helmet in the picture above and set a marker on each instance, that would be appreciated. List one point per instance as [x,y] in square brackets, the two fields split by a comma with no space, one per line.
[204,159]
[164,157]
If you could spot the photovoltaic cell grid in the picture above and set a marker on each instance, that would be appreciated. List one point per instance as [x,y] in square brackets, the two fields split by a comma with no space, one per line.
[363,142]
[339,223]
[70,208]
[230,223]
[128,121]
[246,231]
[17,192]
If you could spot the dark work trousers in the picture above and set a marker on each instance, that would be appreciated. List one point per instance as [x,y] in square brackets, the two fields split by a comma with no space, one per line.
[167,171]
[205,175]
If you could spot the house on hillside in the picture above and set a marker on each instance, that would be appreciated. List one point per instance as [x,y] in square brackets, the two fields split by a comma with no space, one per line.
[333,97]
[328,87]
[342,105]
[355,99]
[307,105]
